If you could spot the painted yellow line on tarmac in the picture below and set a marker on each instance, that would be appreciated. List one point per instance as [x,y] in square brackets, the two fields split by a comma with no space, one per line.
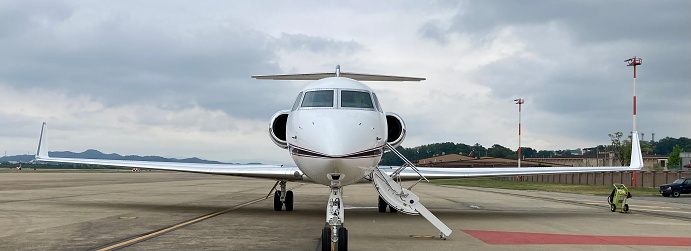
[176,226]
[182,224]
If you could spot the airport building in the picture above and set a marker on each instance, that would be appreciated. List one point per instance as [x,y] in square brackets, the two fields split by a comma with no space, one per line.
[685,159]
[457,160]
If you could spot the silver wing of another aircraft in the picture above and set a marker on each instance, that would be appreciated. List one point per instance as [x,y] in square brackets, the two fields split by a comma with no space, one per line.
[275,172]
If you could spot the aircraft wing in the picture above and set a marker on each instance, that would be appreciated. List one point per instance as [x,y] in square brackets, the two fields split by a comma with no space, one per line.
[275,172]
[450,173]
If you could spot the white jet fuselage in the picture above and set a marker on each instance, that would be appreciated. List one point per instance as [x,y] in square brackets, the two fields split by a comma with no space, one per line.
[339,136]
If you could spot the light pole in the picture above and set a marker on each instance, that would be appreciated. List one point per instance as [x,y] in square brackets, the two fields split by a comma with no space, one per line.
[634,62]
[519,102]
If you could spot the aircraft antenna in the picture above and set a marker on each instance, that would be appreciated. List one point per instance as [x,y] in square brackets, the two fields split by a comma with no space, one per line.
[338,70]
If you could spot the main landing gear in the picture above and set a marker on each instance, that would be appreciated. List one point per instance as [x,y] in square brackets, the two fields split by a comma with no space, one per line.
[283,197]
[382,205]
[334,234]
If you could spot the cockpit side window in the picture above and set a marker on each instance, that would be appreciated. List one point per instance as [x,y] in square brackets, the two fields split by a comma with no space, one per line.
[356,99]
[376,102]
[321,98]
[297,102]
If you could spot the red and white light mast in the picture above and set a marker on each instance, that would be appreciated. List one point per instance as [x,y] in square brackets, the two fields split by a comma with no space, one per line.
[634,62]
[519,102]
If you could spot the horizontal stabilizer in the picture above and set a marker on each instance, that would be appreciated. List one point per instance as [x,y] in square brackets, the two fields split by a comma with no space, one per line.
[355,76]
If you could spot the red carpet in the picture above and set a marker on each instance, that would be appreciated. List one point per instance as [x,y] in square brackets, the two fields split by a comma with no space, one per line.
[520,238]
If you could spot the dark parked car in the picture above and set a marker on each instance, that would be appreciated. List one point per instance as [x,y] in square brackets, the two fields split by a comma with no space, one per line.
[678,187]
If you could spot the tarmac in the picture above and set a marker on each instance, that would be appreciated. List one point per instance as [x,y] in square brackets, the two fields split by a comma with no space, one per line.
[125,210]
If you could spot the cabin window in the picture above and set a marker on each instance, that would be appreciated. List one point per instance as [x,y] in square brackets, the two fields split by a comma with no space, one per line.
[297,102]
[321,98]
[356,99]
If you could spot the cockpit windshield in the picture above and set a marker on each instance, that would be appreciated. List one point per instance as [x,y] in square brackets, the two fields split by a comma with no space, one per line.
[356,99]
[320,98]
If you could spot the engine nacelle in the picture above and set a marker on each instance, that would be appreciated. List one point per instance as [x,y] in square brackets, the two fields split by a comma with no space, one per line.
[395,128]
[277,128]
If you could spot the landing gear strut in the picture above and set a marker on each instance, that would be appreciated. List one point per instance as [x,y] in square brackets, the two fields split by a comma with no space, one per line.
[283,197]
[335,235]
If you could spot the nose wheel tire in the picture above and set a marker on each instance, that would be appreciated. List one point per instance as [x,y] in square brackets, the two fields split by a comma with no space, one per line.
[326,239]
[342,239]
[341,245]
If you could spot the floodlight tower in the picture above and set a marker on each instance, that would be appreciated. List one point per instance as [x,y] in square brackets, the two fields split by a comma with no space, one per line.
[634,61]
[519,102]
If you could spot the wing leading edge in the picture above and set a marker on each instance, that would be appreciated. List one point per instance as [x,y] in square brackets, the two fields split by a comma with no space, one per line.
[449,173]
[276,172]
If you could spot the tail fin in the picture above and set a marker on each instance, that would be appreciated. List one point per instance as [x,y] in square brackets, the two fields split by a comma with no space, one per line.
[636,155]
[42,151]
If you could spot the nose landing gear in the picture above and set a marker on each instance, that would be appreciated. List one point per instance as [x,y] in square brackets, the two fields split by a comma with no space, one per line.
[327,244]
[334,234]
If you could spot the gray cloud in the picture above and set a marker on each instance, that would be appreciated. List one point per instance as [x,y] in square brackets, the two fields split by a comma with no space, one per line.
[590,21]
[317,44]
[123,58]
[433,30]
[575,70]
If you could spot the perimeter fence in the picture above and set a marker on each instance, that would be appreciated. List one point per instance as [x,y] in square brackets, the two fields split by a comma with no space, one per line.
[644,178]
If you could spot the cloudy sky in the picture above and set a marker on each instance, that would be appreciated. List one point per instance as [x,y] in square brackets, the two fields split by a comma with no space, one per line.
[172,78]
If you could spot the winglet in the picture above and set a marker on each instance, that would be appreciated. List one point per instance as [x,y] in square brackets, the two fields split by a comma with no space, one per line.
[42,151]
[636,156]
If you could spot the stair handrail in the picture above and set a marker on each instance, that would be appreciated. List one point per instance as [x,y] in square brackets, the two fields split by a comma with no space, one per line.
[405,161]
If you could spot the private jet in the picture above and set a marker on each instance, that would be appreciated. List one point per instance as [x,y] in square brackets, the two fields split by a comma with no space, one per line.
[336,133]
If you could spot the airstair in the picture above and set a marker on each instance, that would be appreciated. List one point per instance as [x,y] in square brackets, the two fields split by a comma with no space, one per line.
[402,199]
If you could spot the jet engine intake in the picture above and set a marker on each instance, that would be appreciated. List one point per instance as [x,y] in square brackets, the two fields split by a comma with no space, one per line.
[277,128]
[395,129]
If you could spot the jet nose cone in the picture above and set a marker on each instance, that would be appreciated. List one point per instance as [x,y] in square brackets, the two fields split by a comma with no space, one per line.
[341,133]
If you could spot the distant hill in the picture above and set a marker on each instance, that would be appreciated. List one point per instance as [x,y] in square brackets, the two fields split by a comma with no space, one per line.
[95,154]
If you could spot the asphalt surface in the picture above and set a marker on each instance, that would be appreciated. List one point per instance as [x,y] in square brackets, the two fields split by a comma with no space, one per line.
[162,210]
